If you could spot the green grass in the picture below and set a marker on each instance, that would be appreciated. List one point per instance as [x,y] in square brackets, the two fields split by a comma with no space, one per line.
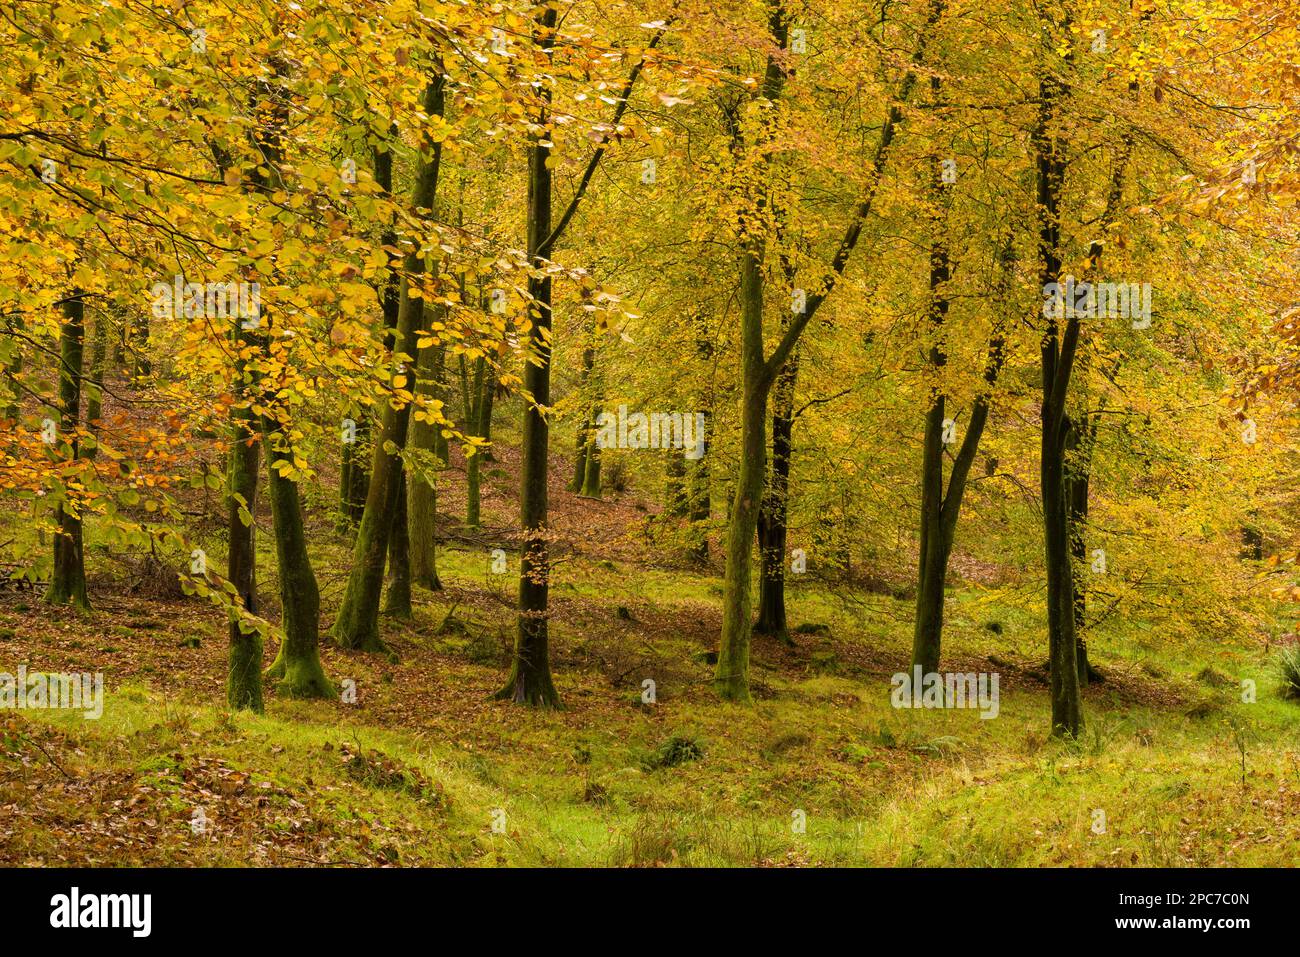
[689,780]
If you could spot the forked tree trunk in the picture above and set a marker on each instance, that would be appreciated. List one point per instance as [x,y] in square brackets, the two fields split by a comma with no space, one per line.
[530,680]
[1058,354]
[357,624]
[759,372]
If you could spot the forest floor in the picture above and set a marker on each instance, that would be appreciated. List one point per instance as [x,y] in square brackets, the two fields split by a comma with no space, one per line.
[425,769]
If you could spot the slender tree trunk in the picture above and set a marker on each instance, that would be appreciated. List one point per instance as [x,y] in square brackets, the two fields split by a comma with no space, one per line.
[14,369]
[244,674]
[1079,461]
[530,679]
[95,389]
[1057,364]
[675,504]
[586,424]
[475,409]
[68,584]
[357,625]
[422,494]
[701,502]
[732,677]
[591,474]
[397,603]
[353,475]
[141,366]
[485,415]
[772,519]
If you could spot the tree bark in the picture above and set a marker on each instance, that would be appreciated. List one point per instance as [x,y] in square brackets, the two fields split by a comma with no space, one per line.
[357,624]
[297,666]
[422,492]
[530,679]
[68,584]
[773,513]
[585,423]
[1058,353]
[397,601]
[244,674]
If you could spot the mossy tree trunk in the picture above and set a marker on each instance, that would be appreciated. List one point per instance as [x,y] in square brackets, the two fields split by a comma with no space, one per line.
[397,602]
[68,584]
[357,624]
[297,667]
[529,681]
[244,671]
[421,492]
[759,373]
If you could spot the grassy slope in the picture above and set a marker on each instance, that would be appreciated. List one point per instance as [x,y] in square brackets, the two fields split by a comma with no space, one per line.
[412,773]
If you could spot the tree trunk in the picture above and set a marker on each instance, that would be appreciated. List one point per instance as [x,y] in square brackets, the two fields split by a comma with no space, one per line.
[1057,364]
[932,568]
[772,519]
[68,584]
[244,674]
[472,390]
[95,390]
[421,491]
[297,666]
[357,625]
[1079,452]
[353,475]
[701,504]
[140,364]
[732,677]
[675,504]
[530,679]
[591,475]
[13,370]
[397,602]
[585,424]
